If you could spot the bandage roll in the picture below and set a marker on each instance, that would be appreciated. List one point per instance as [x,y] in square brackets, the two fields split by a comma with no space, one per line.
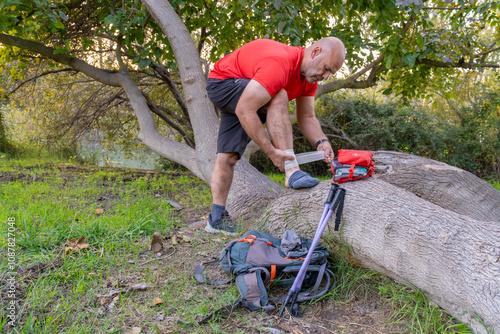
[290,163]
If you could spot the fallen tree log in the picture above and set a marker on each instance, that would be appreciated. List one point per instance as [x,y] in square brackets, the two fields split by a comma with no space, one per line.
[452,257]
[449,187]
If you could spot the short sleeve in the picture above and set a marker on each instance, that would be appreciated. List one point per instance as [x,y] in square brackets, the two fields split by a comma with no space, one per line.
[272,73]
[311,89]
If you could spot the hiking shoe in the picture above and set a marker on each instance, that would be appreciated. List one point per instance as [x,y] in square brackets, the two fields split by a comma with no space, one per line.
[221,225]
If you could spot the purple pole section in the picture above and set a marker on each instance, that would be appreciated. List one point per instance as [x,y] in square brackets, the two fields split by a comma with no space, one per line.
[297,284]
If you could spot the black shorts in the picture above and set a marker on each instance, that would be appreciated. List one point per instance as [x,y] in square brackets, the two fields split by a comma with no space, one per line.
[225,94]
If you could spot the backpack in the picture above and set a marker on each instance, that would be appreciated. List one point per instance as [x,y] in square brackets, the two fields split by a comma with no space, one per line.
[258,259]
[351,165]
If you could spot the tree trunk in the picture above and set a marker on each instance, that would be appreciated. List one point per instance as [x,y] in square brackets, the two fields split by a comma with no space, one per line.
[204,121]
[251,192]
[454,258]
[449,187]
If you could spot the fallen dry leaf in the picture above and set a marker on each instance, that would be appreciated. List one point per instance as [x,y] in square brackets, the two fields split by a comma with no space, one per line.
[156,242]
[75,245]
[157,301]
[105,301]
[174,240]
[133,330]
[176,206]
[99,211]
[141,286]
[111,294]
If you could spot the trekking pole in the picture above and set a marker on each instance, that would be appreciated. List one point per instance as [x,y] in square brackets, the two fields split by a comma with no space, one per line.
[330,205]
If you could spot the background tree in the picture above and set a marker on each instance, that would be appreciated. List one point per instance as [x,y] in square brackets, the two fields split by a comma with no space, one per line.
[404,44]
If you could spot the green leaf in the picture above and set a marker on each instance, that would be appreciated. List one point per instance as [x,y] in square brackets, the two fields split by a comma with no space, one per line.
[410,59]
[281,25]
[145,62]
[58,25]
[388,61]
[63,16]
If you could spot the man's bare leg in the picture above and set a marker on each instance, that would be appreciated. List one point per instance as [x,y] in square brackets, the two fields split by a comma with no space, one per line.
[222,177]
[279,126]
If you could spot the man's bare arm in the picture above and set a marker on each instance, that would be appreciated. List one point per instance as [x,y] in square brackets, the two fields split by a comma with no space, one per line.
[309,125]
[254,97]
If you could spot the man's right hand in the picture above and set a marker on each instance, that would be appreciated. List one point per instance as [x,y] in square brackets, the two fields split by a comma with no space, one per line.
[279,157]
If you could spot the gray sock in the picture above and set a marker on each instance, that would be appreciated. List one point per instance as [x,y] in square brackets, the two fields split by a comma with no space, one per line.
[217,211]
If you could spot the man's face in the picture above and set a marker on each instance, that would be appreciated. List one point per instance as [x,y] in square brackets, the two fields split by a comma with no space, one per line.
[320,66]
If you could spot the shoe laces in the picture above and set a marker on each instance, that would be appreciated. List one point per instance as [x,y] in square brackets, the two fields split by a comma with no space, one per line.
[226,219]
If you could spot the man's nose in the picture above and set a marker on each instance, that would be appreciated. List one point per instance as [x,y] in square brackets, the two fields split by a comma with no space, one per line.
[326,75]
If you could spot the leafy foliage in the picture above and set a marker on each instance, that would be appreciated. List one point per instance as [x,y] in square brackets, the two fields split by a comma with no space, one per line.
[5,145]
[414,46]
[473,145]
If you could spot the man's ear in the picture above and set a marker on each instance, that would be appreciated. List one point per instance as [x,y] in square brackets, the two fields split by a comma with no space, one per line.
[315,52]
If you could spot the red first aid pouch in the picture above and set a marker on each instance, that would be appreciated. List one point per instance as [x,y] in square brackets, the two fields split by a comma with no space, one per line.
[351,165]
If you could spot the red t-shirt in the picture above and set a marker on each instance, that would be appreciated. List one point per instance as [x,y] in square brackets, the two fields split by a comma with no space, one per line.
[272,64]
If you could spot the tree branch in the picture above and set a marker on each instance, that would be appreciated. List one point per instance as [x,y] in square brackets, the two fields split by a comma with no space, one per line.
[103,76]
[38,76]
[165,75]
[177,118]
[342,135]
[203,36]
[167,120]
[345,83]
[484,53]
[437,63]
[374,66]
[148,132]
[455,109]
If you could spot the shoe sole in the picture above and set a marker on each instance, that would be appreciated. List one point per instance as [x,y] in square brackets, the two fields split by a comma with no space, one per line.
[210,229]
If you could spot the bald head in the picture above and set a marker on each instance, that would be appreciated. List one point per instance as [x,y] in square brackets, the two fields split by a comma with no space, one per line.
[323,58]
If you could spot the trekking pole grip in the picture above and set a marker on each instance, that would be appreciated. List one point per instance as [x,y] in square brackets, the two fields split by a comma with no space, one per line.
[332,192]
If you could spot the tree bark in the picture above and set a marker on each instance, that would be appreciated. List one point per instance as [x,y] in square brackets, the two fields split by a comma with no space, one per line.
[449,187]
[453,257]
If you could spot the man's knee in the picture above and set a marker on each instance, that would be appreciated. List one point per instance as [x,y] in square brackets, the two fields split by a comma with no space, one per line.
[229,159]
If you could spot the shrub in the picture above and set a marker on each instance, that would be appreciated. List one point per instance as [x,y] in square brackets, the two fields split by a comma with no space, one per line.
[473,145]
[5,145]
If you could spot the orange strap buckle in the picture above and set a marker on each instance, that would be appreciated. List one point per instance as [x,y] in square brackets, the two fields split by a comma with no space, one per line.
[250,239]
[273,274]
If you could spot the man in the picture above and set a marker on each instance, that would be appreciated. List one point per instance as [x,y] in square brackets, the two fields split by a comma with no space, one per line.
[253,85]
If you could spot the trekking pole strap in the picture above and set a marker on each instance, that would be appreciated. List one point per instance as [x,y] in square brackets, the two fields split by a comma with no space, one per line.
[319,279]
[340,207]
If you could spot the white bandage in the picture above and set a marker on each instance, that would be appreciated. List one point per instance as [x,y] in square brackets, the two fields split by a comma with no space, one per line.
[290,163]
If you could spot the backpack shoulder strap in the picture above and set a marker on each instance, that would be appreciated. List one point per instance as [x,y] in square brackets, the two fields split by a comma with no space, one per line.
[253,290]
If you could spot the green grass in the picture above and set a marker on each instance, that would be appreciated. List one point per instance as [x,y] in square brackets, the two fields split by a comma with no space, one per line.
[495,184]
[54,202]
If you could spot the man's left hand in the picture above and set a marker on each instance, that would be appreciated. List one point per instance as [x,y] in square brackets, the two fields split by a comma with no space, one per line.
[329,155]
